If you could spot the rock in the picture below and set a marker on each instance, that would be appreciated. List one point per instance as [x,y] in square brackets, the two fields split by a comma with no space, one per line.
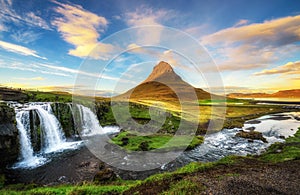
[105,175]
[9,140]
[144,146]
[252,135]
[125,141]
[250,128]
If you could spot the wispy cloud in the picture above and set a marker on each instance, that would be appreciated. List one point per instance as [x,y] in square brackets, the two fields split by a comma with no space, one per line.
[50,69]
[290,68]
[25,37]
[147,16]
[31,79]
[9,14]
[19,49]
[241,22]
[82,29]
[254,45]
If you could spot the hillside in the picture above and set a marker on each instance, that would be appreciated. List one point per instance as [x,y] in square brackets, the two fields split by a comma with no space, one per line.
[293,93]
[162,84]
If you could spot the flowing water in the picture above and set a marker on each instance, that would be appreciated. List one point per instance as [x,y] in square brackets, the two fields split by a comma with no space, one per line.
[90,123]
[52,136]
[274,128]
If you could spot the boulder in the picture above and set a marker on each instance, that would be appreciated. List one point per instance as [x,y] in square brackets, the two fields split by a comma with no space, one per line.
[252,135]
[105,175]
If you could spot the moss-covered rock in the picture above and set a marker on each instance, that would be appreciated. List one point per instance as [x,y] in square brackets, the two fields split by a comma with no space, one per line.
[105,175]
[9,141]
[252,135]
[63,113]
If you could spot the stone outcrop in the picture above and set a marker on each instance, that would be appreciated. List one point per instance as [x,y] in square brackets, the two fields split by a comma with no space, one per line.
[9,142]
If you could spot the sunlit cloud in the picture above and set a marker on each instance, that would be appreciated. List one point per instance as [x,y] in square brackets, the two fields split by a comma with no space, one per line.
[290,68]
[242,22]
[18,49]
[254,45]
[31,79]
[147,16]
[82,28]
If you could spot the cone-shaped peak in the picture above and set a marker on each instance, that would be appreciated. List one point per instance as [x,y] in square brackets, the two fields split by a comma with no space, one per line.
[162,69]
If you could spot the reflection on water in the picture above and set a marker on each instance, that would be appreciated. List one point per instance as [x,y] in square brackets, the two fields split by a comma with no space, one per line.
[224,143]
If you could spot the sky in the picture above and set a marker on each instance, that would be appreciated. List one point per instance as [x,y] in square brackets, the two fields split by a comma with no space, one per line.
[236,45]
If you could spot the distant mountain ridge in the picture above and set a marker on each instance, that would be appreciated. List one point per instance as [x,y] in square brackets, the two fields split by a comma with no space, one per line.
[292,93]
[162,84]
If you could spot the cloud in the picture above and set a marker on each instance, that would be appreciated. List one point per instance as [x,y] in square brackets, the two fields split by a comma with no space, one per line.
[19,49]
[290,68]
[25,37]
[276,32]
[241,22]
[144,16]
[81,29]
[8,14]
[254,45]
[31,79]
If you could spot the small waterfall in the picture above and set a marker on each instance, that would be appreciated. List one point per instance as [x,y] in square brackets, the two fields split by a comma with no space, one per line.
[53,134]
[27,158]
[23,124]
[88,121]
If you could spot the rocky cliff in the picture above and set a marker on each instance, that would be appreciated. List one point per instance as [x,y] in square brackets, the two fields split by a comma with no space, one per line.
[9,142]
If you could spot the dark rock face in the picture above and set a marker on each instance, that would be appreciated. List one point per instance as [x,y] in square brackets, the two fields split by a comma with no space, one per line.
[63,113]
[9,142]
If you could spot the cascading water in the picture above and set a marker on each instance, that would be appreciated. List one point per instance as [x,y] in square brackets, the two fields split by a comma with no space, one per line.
[27,158]
[90,124]
[52,136]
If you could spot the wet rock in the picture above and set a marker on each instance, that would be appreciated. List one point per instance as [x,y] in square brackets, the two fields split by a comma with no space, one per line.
[252,135]
[9,141]
[144,146]
[105,175]
[253,122]
[125,141]
[250,128]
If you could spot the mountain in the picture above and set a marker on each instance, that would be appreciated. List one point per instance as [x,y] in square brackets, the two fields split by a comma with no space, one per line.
[161,84]
[292,93]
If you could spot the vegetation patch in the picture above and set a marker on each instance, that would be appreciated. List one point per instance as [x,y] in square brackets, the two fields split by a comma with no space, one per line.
[133,142]
[279,152]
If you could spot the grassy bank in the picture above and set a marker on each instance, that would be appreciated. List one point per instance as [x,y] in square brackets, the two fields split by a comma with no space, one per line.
[134,142]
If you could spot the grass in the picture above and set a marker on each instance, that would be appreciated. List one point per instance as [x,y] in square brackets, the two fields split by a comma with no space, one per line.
[185,187]
[154,141]
[68,189]
[280,152]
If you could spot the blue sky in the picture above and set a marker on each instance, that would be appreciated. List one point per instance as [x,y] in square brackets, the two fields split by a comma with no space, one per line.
[43,44]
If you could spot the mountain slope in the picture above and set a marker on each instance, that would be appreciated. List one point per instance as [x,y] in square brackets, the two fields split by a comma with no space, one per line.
[162,84]
[293,93]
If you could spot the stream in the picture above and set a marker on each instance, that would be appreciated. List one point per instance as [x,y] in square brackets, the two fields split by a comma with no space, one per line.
[71,160]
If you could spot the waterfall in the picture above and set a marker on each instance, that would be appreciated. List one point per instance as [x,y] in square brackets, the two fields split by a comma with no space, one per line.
[53,134]
[23,124]
[89,123]
[27,158]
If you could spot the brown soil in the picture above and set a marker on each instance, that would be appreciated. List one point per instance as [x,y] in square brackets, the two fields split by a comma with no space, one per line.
[248,176]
